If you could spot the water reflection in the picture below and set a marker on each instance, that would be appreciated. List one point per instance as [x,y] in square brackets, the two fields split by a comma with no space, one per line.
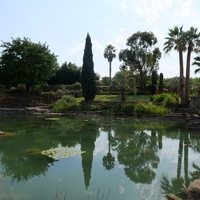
[137,148]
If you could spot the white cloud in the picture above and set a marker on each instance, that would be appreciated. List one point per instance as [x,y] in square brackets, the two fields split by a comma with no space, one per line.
[153,9]
[123,5]
[186,10]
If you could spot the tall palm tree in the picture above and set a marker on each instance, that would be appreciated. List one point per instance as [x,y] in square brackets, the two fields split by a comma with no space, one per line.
[193,44]
[176,41]
[109,53]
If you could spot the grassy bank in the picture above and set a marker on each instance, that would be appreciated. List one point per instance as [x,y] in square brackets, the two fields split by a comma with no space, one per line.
[135,105]
[117,98]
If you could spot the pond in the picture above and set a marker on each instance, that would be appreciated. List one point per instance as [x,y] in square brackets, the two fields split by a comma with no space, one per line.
[110,158]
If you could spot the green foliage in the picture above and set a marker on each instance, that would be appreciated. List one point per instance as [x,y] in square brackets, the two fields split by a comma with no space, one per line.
[149,109]
[127,109]
[25,62]
[154,77]
[94,106]
[159,97]
[88,76]
[166,99]
[173,84]
[169,101]
[67,74]
[105,81]
[160,85]
[140,109]
[141,56]
[66,103]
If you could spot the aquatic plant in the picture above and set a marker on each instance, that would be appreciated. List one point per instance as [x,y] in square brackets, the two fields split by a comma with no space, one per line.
[61,152]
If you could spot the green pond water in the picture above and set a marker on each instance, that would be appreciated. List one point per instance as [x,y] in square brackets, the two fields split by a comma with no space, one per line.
[96,158]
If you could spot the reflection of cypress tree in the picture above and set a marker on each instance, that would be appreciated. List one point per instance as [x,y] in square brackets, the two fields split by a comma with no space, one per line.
[159,141]
[88,138]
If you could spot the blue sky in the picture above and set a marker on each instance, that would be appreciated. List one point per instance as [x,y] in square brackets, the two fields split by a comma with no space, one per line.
[64,24]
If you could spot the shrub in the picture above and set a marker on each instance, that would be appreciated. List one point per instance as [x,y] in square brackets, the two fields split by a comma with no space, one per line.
[141,109]
[169,101]
[66,103]
[165,98]
[127,109]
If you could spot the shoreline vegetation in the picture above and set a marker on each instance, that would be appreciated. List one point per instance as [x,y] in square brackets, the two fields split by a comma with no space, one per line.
[162,105]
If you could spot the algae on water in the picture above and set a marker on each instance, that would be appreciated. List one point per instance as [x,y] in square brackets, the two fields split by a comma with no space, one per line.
[61,152]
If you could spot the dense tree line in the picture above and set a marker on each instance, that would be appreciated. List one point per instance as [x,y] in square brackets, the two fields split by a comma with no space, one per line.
[67,74]
[33,65]
[27,63]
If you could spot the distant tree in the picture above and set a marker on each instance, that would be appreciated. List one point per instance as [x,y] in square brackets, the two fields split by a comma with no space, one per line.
[109,53]
[173,84]
[160,86]
[123,81]
[176,41]
[105,80]
[88,75]
[25,62]
[67,74]
[142,57]
[120,82]
[154,79]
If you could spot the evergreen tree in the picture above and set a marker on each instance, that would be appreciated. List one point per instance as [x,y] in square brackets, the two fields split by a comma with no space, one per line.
[154,78]
[88,75]
[160,86]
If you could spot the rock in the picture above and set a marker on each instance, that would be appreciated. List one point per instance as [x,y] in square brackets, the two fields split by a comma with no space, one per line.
[194,190]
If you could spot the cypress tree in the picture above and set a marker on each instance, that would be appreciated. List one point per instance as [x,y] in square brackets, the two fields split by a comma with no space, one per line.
[88,75]
[154,78]
[160,86]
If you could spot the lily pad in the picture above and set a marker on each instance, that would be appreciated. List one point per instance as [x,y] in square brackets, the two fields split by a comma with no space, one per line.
[61,152]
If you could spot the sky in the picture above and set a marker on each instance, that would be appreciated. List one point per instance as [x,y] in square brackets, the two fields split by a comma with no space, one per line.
[63,25]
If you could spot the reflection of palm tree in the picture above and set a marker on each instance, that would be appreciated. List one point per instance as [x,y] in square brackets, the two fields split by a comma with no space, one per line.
[179,183]
[109,160]
[174,187]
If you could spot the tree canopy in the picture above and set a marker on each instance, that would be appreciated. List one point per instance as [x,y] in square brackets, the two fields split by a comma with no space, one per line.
[67,74]
[25,62]
[142,56]
[88,75]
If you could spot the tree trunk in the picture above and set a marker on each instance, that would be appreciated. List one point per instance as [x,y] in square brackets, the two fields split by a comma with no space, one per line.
[110,71]
[122,91]
[182,92]
[187,80]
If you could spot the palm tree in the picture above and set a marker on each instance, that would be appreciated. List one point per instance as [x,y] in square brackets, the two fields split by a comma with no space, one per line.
[193,42]
[109,53]
[176,41]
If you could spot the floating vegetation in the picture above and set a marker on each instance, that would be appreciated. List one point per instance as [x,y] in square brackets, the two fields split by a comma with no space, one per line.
[61,152]
[52,119]
[3,134]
